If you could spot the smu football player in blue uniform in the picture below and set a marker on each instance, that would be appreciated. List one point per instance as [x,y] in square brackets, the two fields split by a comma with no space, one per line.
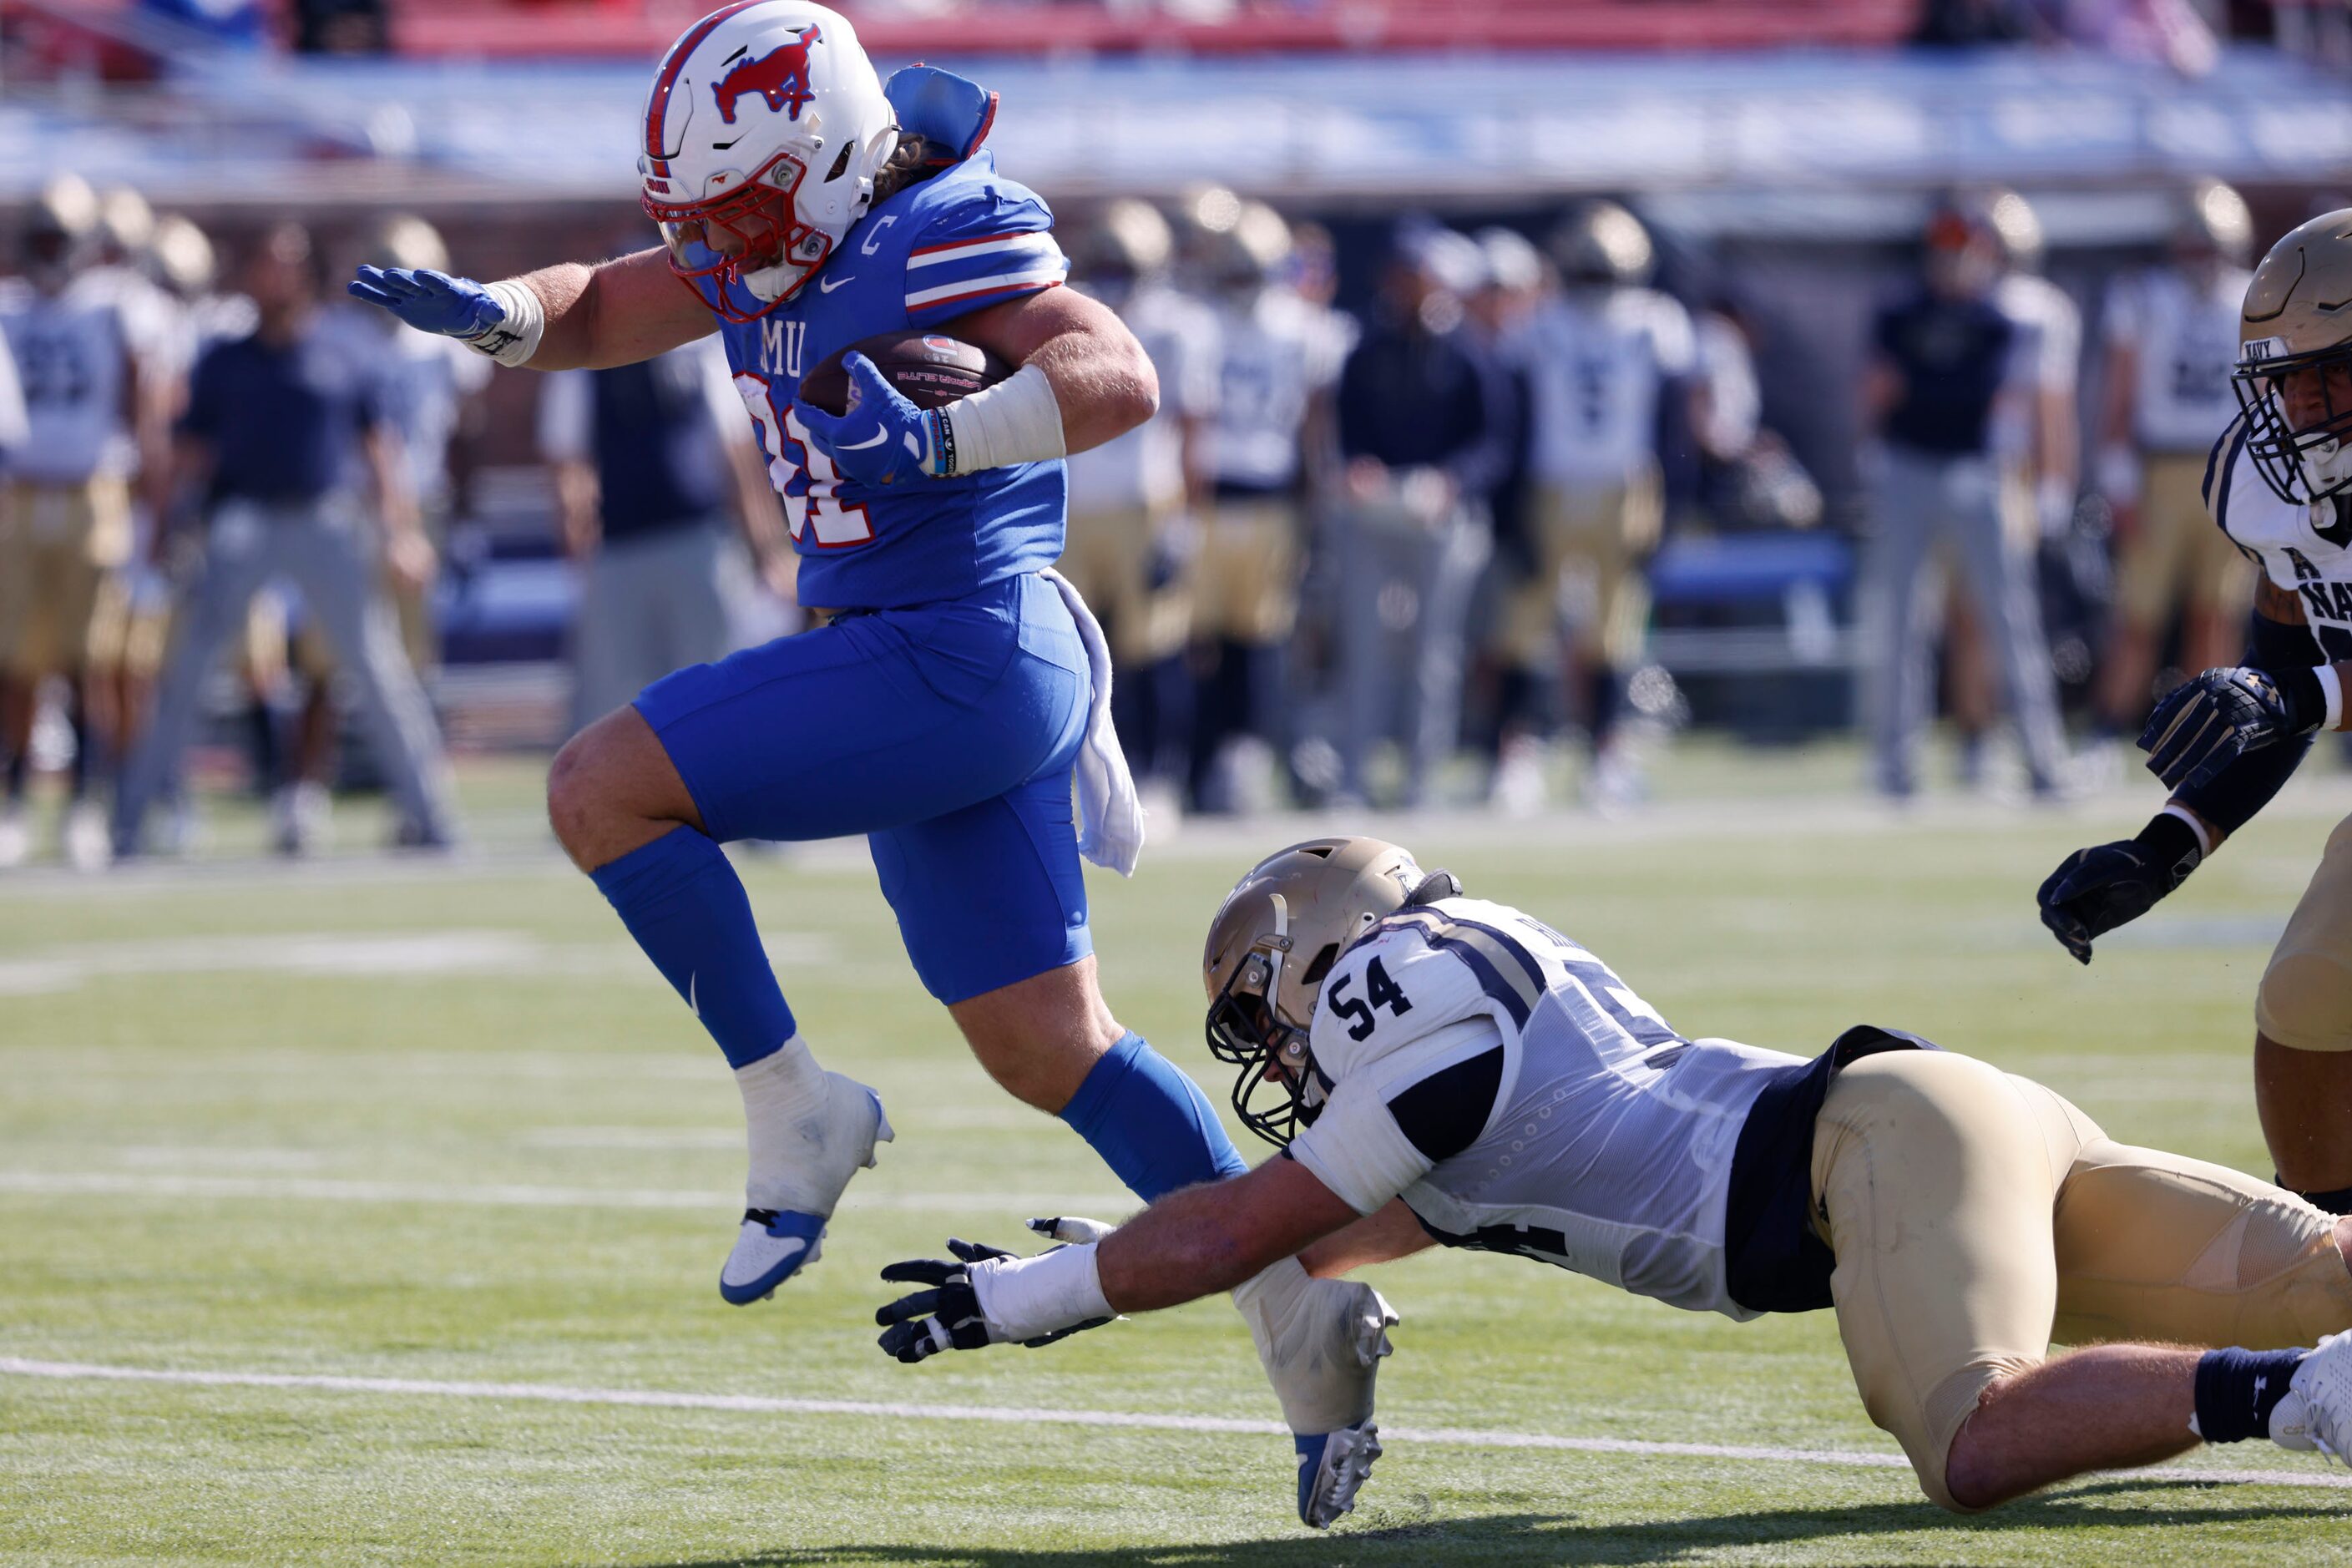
[944,709]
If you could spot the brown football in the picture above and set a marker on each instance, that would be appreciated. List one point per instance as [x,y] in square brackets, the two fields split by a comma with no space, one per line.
[931,368]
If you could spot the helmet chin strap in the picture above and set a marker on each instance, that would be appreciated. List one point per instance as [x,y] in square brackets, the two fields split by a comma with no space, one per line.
[771,283]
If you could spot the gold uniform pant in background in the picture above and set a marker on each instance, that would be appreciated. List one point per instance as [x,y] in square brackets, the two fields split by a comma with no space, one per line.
[59,543]
[1977,1217]
[1108,556]
[2178,556]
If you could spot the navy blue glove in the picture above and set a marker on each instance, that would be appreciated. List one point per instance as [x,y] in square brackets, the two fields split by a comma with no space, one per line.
[2094,890]
[431,302]
[881,437]
[947,1316]
[2210,721]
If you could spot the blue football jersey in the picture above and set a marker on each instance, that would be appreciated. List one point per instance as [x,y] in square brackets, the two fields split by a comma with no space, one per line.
[958,241]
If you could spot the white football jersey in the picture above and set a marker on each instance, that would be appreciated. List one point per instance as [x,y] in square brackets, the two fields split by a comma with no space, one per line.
[2306,550]
[1145,468]
[1596,362]
[1520,1098]
[2186,340]
[71,359]
[427,378]
[2047,355]
[1274,355]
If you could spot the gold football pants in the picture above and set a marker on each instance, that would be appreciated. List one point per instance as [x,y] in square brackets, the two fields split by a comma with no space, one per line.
[1977,1217]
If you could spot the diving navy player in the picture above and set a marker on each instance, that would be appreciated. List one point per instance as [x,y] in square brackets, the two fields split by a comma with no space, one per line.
[942,711]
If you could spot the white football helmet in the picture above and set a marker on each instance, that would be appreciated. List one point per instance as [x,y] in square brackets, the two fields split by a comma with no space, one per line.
[767,126]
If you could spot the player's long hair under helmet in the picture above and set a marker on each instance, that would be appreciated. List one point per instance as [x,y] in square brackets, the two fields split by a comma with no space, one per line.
[2298,317]
[765,123]
[1274,938]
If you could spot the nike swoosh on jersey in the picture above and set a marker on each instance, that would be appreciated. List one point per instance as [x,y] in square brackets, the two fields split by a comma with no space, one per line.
[827,285]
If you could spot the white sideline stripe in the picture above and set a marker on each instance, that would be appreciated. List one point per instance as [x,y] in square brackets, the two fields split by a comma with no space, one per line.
[511,1195]
[759,1404]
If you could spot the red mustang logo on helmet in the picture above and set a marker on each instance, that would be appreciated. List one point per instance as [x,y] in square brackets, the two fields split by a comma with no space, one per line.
[781,76]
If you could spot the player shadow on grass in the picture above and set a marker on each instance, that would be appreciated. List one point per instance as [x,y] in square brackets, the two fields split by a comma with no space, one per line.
[1540,1538]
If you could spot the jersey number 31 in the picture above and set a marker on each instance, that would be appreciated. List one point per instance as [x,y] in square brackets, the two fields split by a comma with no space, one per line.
[804,476]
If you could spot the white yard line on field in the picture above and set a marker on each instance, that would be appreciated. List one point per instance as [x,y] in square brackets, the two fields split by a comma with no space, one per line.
[759,1404]
[153,1186]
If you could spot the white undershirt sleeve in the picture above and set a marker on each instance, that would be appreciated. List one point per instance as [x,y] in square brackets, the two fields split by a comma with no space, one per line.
[1357,1149]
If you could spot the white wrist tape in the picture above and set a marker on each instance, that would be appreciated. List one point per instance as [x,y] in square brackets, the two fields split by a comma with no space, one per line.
[1023,1298]
[514,340]
[2204,838]
[2331,686]
[1018,420]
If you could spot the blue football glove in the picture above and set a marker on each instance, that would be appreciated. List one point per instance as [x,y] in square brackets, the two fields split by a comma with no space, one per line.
[881,439]
[432,301]
[2210,721]
[2094,890]
[948,1315]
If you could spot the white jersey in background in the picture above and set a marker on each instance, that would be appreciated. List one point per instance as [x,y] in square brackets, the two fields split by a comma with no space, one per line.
[1596,361]
[72,363]
[1145,467]
[2186,341]
[149,313]
[2046,356]
[1275,353]
[1521,1099]
[426,378]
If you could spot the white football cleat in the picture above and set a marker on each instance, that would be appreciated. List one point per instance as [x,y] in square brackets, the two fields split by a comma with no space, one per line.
[1321,1342]
[773,1243]
[16,838]
[2317,1412]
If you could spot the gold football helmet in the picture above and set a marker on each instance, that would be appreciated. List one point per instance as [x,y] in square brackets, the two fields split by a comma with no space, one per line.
[1275,937]
[2294,360]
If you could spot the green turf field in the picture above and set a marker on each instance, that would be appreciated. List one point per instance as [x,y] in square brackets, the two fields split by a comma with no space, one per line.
[443,1126]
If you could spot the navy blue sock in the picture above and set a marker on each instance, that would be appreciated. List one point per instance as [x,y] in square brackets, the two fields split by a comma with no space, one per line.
[687,908]
[1151,1124]
[2237,1389]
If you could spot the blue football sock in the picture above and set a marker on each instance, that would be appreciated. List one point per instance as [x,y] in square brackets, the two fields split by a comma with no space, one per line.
[1151,1124]
[687,908]
[2237,1390]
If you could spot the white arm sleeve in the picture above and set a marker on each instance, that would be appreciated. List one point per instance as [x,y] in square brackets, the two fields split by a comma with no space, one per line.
[1357,1149]
[564,417]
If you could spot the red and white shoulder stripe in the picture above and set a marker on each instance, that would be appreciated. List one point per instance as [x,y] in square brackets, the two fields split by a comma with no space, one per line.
[963,272]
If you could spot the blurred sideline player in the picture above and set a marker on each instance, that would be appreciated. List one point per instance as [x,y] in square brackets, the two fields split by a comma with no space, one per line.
[2171,344]
[1496,318]
[1446,1070]
[284,432]
[428,384]
[942,709]
[1277,358]
[1421,452]
[64,517]
[2279,485]
[655,472]
[1942,370]
[1600,355]
[134,608]
[2038,441]
[1135,501]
